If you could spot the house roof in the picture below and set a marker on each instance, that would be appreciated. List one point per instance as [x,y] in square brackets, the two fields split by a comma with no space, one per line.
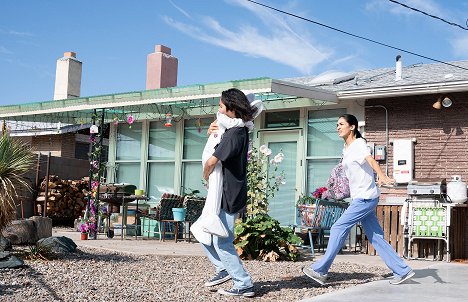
[375,83]
[154,104]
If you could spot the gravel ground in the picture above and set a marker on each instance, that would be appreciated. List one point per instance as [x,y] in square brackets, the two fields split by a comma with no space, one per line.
[97,275]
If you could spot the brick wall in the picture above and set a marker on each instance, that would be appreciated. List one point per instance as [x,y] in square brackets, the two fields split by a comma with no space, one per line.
[441,149]
[62,145]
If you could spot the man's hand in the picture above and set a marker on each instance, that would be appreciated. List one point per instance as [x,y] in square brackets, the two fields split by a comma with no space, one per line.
[213,128]
[209,167]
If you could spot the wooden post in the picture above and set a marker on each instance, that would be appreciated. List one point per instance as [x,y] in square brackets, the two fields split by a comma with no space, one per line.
[47,185]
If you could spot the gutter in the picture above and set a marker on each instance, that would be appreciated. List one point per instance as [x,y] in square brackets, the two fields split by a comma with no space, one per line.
[375,93]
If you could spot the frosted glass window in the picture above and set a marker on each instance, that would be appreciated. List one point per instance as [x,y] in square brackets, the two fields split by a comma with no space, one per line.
[192,178]
[162,141]
[283,205]
[195,137]
[129,142]
[160,179]
[318,172]
[322,138]
[129,173]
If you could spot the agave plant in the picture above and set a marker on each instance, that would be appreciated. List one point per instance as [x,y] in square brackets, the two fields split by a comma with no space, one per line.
[16,159]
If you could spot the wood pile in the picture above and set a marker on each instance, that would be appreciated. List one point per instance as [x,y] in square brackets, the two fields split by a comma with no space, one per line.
[66,198]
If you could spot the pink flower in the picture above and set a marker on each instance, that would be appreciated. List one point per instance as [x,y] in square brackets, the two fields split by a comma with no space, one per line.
[130,119]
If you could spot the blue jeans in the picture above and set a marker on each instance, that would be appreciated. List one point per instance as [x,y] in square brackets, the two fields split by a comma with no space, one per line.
[223,254]
[361,210]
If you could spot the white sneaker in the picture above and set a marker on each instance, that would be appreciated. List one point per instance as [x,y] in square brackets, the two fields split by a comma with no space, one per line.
[317,277]
[399,280]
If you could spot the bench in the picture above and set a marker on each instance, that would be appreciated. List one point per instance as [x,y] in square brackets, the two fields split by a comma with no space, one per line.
[318,218]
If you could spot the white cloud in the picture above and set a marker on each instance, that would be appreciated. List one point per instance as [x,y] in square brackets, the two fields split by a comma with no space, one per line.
[279,42]
[4,50]
[460,47]
[180,10]
[428,6]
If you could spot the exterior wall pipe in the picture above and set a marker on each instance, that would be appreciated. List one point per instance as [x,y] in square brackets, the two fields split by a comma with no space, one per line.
[386,134]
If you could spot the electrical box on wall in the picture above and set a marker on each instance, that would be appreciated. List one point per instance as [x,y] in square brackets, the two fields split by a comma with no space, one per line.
[380,153]
[403,160]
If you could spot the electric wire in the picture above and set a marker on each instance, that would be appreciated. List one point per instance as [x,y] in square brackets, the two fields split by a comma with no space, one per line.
[356,36]
[432,16]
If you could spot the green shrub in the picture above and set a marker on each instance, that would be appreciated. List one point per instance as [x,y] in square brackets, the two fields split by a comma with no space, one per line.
[262,237]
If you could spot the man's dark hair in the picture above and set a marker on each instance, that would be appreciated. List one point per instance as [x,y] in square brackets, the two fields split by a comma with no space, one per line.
[235,100]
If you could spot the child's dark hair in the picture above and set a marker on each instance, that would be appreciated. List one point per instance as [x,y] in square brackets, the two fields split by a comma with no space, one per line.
[352,121]
[235,100]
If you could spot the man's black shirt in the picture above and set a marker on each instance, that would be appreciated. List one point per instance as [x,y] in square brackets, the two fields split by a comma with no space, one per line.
[232,152]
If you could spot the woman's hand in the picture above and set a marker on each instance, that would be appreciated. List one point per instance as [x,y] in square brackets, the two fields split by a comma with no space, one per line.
[213,128]
[385,180]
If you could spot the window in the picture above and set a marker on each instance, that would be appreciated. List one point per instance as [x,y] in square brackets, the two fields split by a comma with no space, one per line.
[195,138]
[324,146]
[129,142]
[161,159]
[282,119]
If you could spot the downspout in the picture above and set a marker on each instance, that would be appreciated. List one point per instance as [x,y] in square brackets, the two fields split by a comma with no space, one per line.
[386,134]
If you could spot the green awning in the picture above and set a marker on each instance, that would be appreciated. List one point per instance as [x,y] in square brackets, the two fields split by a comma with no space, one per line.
[183,101]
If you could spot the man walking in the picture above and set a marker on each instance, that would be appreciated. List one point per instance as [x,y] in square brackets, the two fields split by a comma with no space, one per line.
[232,152]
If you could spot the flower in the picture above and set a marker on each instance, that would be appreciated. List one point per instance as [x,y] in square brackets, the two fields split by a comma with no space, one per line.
[318,192]
[265,150]
[263,179]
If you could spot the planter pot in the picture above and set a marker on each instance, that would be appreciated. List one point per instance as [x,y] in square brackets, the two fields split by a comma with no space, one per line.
[84,236]
[179,214]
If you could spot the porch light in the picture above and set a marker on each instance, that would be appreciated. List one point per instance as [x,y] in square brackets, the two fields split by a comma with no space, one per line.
[168,120]
[442,101]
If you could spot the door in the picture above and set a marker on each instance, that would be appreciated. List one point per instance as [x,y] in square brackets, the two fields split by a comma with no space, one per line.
[283,205]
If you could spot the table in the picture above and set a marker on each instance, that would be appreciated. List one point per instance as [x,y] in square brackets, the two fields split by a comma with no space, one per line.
[125,201]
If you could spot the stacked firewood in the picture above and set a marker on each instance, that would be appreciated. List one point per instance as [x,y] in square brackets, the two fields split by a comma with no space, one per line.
[66,198]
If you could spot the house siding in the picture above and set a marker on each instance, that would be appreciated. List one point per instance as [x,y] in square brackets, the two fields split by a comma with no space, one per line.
[441,148]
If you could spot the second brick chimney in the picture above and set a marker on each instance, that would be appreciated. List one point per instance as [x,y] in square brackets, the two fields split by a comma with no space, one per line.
[161,68]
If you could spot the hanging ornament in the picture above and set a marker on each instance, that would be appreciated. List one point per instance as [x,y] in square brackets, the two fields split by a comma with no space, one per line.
[199,125]
[130,120]
[168,120]
[116,120]
[94,129]
[81,123]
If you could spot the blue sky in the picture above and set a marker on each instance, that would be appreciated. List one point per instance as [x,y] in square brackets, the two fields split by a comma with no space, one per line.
[214,40]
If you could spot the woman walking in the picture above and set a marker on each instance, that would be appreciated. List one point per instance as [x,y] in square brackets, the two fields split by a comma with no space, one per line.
[359,167]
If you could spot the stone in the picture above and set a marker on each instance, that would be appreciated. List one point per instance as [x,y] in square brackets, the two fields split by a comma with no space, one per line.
[21,232]
[43,226]
[9,261]
[58,245]
[5,244]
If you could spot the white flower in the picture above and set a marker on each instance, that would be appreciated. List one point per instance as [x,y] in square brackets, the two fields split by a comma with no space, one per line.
[279,158]
[265,150]
[280,180]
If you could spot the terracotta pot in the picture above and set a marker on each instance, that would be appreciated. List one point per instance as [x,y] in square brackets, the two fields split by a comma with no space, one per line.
[84,236]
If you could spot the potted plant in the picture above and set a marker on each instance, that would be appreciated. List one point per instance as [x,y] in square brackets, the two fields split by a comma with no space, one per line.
[306,206]
[83,230]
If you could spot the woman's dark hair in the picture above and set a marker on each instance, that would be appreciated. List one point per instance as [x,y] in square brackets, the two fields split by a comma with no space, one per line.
[352,121]
[235,100]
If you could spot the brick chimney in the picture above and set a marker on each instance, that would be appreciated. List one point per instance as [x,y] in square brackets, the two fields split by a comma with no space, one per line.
[161,68]
[67,77]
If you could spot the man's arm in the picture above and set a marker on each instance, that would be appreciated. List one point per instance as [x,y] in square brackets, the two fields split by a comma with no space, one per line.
[209,166]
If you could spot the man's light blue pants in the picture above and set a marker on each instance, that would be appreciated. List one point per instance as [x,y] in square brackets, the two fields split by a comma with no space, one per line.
[223,254]
[361,210]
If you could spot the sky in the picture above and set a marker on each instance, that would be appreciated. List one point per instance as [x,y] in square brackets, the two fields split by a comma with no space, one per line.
[215,40]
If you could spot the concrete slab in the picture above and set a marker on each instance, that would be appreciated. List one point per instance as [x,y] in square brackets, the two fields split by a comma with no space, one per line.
[439,281]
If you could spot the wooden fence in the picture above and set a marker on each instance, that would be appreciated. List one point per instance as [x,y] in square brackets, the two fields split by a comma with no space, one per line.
[389,218]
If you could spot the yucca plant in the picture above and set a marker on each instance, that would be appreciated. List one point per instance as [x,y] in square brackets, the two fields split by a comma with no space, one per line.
[16,159]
